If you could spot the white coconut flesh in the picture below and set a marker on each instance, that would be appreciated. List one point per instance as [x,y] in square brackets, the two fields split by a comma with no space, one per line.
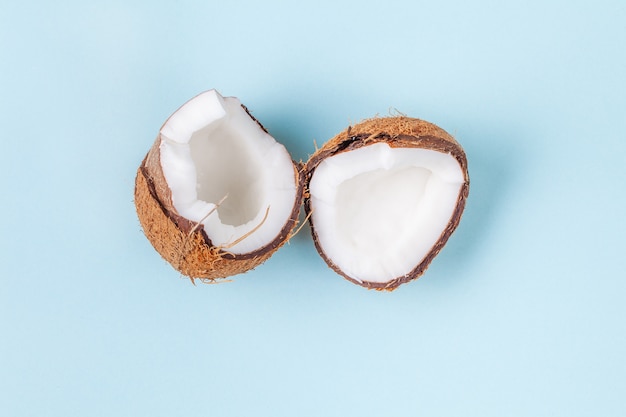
[378,211]
[212,150]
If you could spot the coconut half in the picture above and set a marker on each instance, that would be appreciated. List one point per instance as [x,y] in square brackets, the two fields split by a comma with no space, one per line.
[383,198]
[216,195]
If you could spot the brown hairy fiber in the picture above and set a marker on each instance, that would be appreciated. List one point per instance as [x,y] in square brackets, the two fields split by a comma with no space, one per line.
[397,132]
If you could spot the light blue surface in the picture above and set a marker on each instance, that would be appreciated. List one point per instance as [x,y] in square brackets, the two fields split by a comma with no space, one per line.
[522,314]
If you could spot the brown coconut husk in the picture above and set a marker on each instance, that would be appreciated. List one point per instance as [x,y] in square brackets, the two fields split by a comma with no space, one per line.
[397,132]
[185,244]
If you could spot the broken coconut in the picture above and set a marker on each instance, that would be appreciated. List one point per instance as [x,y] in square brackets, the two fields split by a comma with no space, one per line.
[383,198]
[216,195]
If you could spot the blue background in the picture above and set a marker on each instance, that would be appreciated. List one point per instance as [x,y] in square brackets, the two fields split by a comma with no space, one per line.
[522,314]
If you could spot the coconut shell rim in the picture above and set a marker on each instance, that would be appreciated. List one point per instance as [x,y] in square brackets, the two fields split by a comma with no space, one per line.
[352,139]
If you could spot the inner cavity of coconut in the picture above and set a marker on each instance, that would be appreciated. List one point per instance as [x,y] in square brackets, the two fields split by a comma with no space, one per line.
[378,210]
[212,150]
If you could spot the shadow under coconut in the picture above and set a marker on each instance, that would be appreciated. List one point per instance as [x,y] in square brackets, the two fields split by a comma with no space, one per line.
[494,165]
[288,132]
[293,121]
[300,129]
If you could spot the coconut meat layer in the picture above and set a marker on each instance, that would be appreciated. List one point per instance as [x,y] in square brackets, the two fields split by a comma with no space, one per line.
[211,150]
[378,210]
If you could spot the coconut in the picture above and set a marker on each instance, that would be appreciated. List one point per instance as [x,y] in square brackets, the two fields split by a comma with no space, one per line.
[383,197]
[216,195]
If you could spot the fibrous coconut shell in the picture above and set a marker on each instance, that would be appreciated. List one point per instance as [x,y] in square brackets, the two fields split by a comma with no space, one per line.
[184,244]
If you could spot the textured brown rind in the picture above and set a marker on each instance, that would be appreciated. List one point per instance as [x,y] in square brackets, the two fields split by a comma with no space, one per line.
[184,244]
[397,132]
